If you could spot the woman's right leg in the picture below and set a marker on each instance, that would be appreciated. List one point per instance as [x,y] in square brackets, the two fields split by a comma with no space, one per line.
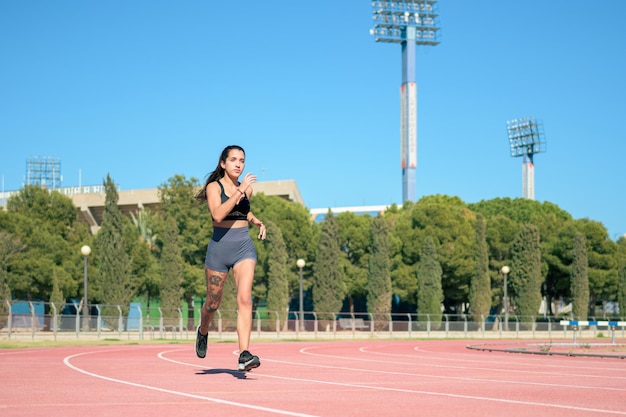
[214,290]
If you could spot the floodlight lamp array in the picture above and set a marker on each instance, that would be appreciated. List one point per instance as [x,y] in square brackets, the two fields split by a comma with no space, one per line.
[526,136]
[405,21]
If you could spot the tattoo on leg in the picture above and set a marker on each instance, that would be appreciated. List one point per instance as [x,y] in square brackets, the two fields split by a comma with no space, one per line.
[215,288]
[214,280]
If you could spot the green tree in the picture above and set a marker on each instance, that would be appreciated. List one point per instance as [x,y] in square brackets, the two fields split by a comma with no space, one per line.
[355,243]
[430,293]
[56,298]
[500,231]
[328,289]
[480,288]
[525,278]
[145,251]
[449,222]
[579,279]
[114,285]
[299,233]
[601,257]
[556,227]
[379,272]
[621,294]
[403,273]
[57,295]
[602,261]
[45,222]
[9,246]
[171,273]
[145,222]
[277,283]
[194,224]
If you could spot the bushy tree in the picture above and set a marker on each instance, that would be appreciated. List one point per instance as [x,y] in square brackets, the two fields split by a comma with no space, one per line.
[449,222]
[45,223]
[505,217]
[355,242]
[403,271]
[9,246]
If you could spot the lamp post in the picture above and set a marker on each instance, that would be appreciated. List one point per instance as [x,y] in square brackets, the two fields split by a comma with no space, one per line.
[505,302]
[85,251]
[300,264]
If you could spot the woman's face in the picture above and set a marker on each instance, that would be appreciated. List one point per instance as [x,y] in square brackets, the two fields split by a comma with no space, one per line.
[235,162]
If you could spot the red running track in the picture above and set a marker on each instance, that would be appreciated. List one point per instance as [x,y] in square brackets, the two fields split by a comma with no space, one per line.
[330,379]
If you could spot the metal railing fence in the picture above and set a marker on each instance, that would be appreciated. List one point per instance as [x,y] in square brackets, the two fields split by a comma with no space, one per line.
[34,320]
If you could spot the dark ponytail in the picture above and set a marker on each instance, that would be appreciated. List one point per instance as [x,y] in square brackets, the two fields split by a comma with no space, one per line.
[218,172]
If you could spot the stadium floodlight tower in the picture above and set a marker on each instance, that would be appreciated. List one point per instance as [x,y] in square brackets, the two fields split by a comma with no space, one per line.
[526,139]
[44,172]
[409,23]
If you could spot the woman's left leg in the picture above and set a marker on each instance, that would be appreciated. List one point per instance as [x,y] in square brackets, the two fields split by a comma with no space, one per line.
[243,274]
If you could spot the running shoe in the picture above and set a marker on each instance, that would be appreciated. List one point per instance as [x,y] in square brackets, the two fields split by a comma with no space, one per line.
[248,361]
[201,342]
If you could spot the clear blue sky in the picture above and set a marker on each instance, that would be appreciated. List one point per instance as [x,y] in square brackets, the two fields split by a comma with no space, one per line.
[147,89]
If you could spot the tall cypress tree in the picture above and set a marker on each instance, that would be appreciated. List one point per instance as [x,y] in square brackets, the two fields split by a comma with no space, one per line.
[379,273]
[277,283]
[327,289]
[480,286]
[430,293]
[114,283]
[525,277]
[579,280]
[171,273]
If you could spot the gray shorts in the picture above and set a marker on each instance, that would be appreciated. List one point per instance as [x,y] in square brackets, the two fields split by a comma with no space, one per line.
[227,247]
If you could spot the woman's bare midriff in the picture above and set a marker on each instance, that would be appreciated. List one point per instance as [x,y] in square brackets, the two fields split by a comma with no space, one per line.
[226,224]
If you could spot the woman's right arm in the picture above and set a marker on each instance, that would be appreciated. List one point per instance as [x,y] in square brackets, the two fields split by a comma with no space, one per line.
[218,209]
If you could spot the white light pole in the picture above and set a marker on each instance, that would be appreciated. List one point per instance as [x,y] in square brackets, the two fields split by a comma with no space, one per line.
[300,264]
[505,302]
[85,251]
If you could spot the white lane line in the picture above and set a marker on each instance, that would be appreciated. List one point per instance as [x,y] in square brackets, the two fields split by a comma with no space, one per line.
[67,360]
[457,378]
[430,365]
[559,360]
[558,364]
[411,391]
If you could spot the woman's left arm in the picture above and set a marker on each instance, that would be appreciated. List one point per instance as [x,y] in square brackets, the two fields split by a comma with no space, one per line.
[253,220]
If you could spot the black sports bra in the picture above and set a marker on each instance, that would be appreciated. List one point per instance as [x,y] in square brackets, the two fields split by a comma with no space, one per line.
[241,209]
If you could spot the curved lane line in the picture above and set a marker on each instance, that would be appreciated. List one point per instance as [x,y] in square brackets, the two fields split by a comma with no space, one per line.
[67,362]
[434,393]
[559,366]
[513,371]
